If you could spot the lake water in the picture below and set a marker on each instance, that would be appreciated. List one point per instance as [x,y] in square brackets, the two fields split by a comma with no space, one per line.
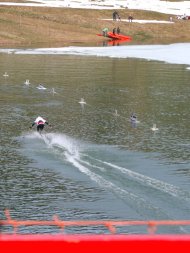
[93,164]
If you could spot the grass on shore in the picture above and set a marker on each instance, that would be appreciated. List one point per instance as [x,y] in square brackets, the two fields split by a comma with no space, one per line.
[43,26]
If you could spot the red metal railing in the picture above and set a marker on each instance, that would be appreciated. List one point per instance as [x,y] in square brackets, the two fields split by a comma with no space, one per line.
[93,243]
[110,225]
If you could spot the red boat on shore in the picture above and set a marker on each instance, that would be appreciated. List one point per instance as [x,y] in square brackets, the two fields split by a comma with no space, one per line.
[120,37]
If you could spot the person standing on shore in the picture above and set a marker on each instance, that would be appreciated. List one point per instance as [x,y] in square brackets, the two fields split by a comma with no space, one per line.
[114,15]
[105,32]
[130,18]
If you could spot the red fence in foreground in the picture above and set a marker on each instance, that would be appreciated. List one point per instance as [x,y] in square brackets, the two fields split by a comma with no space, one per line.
[93,243]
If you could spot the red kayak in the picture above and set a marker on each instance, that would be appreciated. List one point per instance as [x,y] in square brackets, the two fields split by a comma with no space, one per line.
[116,36]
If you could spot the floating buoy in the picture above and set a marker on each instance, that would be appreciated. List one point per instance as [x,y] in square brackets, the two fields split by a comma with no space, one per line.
[27,82]
[82,101]
[116,113]
[53,91]
[41,87]
[154,128]
[5,74]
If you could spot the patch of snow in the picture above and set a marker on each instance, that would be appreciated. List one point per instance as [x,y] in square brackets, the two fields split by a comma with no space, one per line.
[175,8]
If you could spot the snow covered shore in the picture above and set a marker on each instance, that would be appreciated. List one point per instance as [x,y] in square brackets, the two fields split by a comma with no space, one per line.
[163,53]
[175,8]
[174,53]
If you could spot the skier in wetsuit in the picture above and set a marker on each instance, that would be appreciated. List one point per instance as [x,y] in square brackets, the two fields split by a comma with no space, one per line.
[39,122]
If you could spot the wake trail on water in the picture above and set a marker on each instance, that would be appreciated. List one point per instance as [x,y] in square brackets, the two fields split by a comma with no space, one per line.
[76,154]
[152,182]
[72,150]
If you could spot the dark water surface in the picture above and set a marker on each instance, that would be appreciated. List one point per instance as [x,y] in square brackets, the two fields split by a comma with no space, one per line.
[93,164]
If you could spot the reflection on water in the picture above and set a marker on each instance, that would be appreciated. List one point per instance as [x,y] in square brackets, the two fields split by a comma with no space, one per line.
[93,163]
[115,42]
